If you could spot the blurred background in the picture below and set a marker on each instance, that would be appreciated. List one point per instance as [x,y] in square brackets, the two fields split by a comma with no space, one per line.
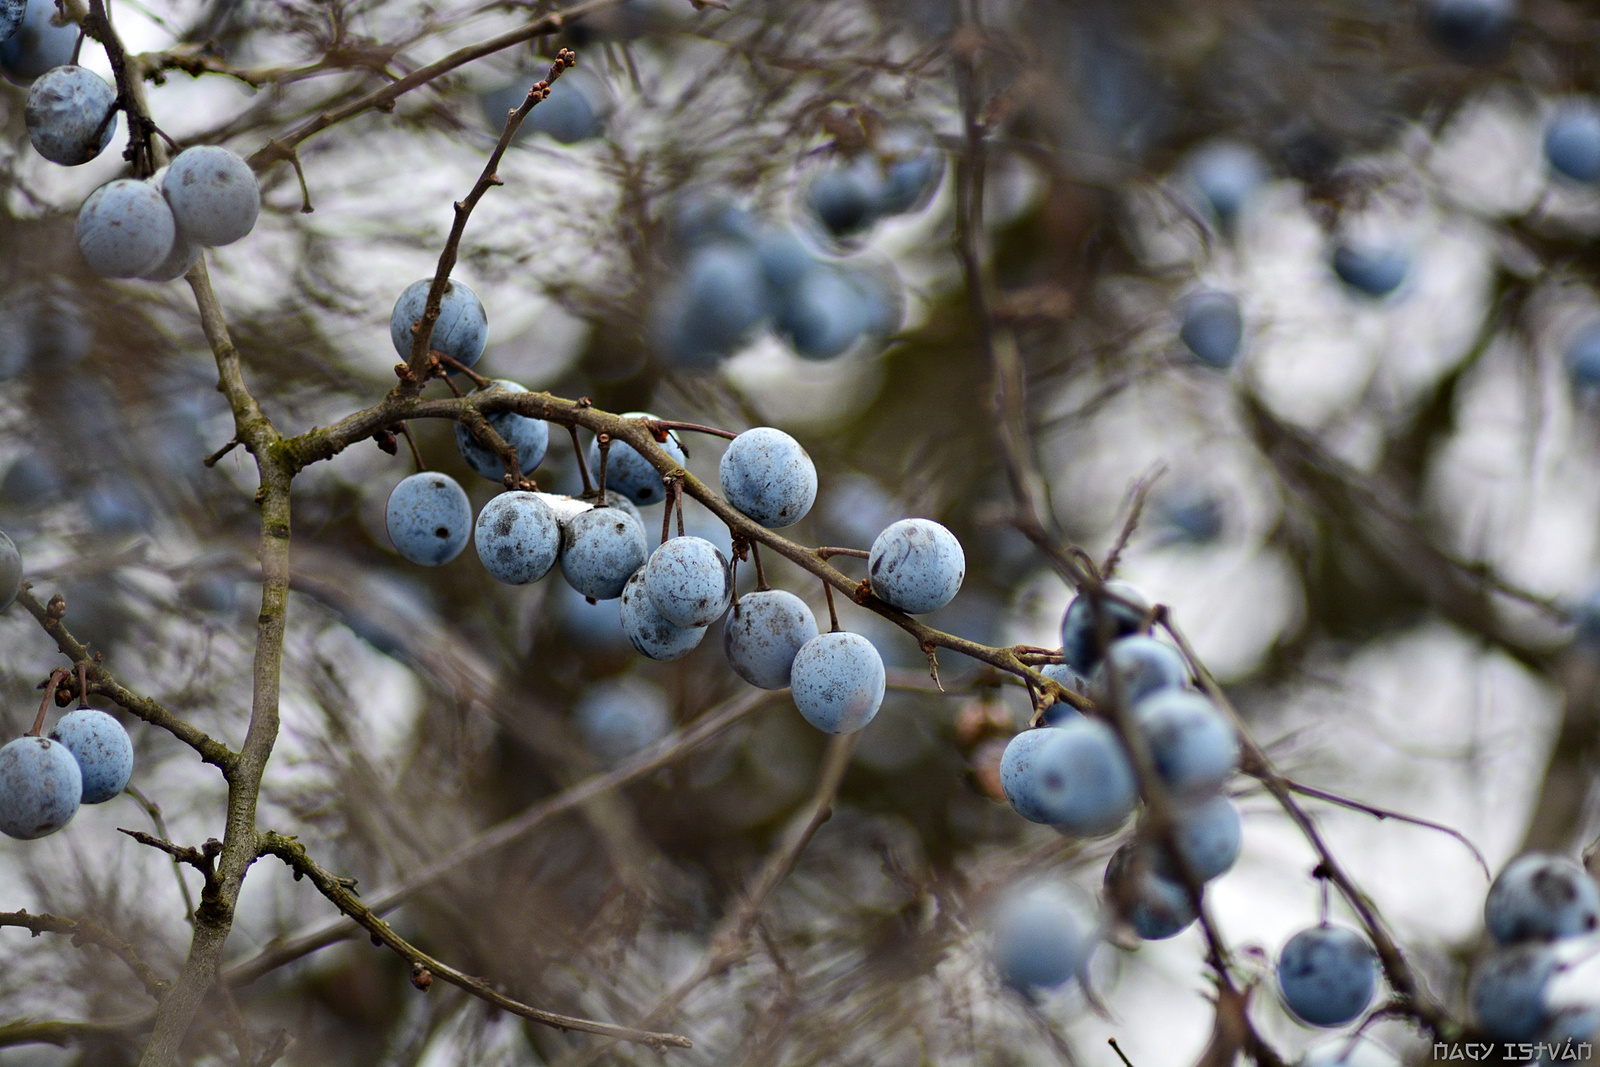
[1373,511]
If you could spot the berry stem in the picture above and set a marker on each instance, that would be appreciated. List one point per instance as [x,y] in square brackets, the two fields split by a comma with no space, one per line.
[855,553]
[761,575]
[833,612]
[604,441]
[57,676]
[583,464]
[416,455]
[461,368]
[83,683]
[659,428]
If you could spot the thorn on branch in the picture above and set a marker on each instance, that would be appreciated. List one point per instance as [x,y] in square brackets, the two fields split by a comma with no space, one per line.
[215,457]
[421,977]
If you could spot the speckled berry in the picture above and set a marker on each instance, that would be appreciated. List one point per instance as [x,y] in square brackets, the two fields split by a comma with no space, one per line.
[40,787]
[600,550]
[766,475]
[11,12]
[630,473]
[917,566]
[689,581]
[429,518]
[1328,975]
[461,331]
[1540,897]
[37,45]
[71,114]
[213,194]
[517,537]
[648,632]
[837,680]
[102,748]
[530,437]
[763,635]
[125,229]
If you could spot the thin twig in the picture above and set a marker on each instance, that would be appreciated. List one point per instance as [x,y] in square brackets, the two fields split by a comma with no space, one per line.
[152,809]
[88,932]
[1384,813]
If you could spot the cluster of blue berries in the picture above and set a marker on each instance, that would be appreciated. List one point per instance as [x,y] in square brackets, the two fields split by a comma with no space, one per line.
[849,196]
[1538,901]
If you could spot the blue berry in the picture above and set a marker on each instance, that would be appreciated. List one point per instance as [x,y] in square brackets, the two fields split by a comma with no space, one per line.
[102,748]
[647,631]
[630,473]
[1157,907]
[1373,270]
[29,482]
[916,566]
[1508,992]
[1583,357]
[11,12]
[125,229]
[1209,836]
[909,180]
[785,258]
[1074,776]
[1328,975]
[180,260]
[837,681]
[689,582]
[829,309]
[600,550]
[723,298]
[429,518]
[1068,678]
[568,115]
[518,538]
[768,476]
[1473,29]
[764,633]
[1227,174]
[1572,142]
[1080,637]
[38,45]
[845,198]
[71,114]
[213,195]
[620,716]
[1539,897]
[116,508]
[1194,746]
[1041,940]
[460,332]
[530,437]
[1142,666]
[10,571]
[1212,328]
[40,787]
[703,217]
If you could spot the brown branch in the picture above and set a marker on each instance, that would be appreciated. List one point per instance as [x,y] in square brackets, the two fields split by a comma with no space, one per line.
[153,810]
[88,932]
[1141,491]
[1384,813]
[62,1032]
[102,681]
[338,891]
[142,152]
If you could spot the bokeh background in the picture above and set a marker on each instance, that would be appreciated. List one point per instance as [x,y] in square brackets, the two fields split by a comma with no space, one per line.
[1378,528]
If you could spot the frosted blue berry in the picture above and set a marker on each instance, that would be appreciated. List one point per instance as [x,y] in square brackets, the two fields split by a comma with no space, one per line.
[1540,897]
[1157,907]
[916,566]
[429,518]
[630,473]
[179,261]
[621,716]
[845,198]
[1209,836]
[1194,746]
[460,332]
[837,681]
[1328,975]
[1572,142]
[40,787]
[10,571]
[763,635]
[769,477]
[1372,270]
[11,12]
[1142,666]
[38,45]
[1508,992]
[517,537]
[689,581]
[1473,29]
[1074,776]
[1080,636]
[213,195]
[1041,938]
[722,300]
[125,229]
[600,550]
[71,114]
[647,631]
[1227,174]
[1212,328]
[530,437]
[102,748]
